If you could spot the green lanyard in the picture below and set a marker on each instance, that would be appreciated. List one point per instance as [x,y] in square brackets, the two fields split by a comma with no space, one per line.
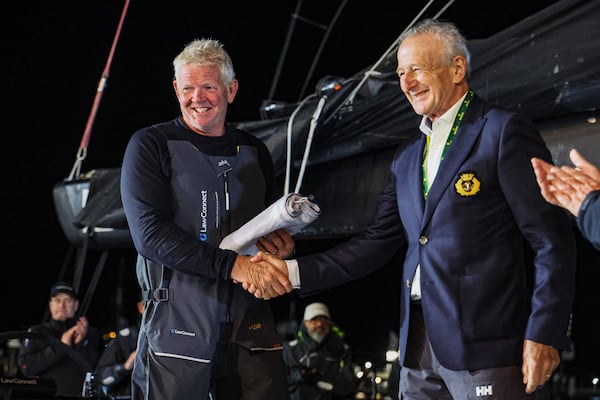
[457,121]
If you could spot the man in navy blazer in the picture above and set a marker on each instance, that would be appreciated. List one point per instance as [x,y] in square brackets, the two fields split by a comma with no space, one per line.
[489,271]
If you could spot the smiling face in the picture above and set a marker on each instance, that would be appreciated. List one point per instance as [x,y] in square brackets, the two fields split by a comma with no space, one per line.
[431,82]
[203,98]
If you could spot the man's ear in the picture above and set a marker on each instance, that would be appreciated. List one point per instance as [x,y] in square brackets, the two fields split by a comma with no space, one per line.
[231,91]
[460,68]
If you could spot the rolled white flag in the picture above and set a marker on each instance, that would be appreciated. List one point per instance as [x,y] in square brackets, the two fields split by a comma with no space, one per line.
[291,212]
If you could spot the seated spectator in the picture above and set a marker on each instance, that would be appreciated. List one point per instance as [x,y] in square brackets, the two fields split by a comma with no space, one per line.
[113,372]
[40,358]
[318,361]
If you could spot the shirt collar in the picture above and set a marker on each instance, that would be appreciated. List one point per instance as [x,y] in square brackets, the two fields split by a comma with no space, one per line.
[427,126]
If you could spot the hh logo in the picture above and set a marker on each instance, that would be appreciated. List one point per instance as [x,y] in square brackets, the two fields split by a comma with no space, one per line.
[483,390]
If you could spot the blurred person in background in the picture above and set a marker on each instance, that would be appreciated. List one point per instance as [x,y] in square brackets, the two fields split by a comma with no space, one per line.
[42,359]
[113,372]
[319,362]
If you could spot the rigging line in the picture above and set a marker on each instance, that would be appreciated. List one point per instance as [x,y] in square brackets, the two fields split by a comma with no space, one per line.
[82,151]
[288,158]
[321,46]
[85,303]
[436,16]
[321,104]
[284,50]
[371,70]
[313,125]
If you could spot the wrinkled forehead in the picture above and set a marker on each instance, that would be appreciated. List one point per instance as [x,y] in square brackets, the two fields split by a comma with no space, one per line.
[421,50]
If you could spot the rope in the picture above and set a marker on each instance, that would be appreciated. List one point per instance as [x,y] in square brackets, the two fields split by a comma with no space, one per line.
[82,151]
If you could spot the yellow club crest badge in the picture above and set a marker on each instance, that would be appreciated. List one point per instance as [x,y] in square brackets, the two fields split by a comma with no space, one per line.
[467,184]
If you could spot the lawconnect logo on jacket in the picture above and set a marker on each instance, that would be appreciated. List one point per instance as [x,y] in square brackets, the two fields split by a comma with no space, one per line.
[181,332]
[204,217]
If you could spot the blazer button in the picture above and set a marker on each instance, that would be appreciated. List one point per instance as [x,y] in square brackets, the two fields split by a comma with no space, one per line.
[423,240]
[408,283]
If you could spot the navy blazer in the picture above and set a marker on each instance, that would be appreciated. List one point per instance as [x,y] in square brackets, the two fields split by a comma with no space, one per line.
[497,261]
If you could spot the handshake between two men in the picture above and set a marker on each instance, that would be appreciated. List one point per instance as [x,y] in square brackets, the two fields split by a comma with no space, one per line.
[265,274]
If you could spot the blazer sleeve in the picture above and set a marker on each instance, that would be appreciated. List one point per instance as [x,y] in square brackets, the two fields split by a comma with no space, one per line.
[546,229]
[361,255]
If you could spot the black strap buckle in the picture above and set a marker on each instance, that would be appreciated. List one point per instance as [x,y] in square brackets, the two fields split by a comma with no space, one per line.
[159,294]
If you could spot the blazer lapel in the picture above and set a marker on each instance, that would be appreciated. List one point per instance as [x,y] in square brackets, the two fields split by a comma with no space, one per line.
[467,134]
[415,173]
[406,167]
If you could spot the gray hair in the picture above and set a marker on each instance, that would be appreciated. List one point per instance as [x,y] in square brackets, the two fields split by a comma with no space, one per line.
[206,52]
[447,33]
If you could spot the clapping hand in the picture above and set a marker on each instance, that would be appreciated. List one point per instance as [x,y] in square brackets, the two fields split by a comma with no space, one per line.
[76,333]
[565,186]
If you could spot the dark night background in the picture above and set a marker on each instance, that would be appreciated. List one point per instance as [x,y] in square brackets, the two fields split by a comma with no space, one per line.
[55,55]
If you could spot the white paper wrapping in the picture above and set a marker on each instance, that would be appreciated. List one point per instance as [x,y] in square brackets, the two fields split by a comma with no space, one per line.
[291,212]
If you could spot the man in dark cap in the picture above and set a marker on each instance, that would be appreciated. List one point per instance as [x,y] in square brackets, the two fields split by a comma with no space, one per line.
[47,360]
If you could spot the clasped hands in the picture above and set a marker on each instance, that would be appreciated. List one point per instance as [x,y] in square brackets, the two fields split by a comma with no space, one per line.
[265,274]
[76,333]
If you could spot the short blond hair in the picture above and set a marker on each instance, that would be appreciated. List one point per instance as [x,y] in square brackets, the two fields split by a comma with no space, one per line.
[208,52]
